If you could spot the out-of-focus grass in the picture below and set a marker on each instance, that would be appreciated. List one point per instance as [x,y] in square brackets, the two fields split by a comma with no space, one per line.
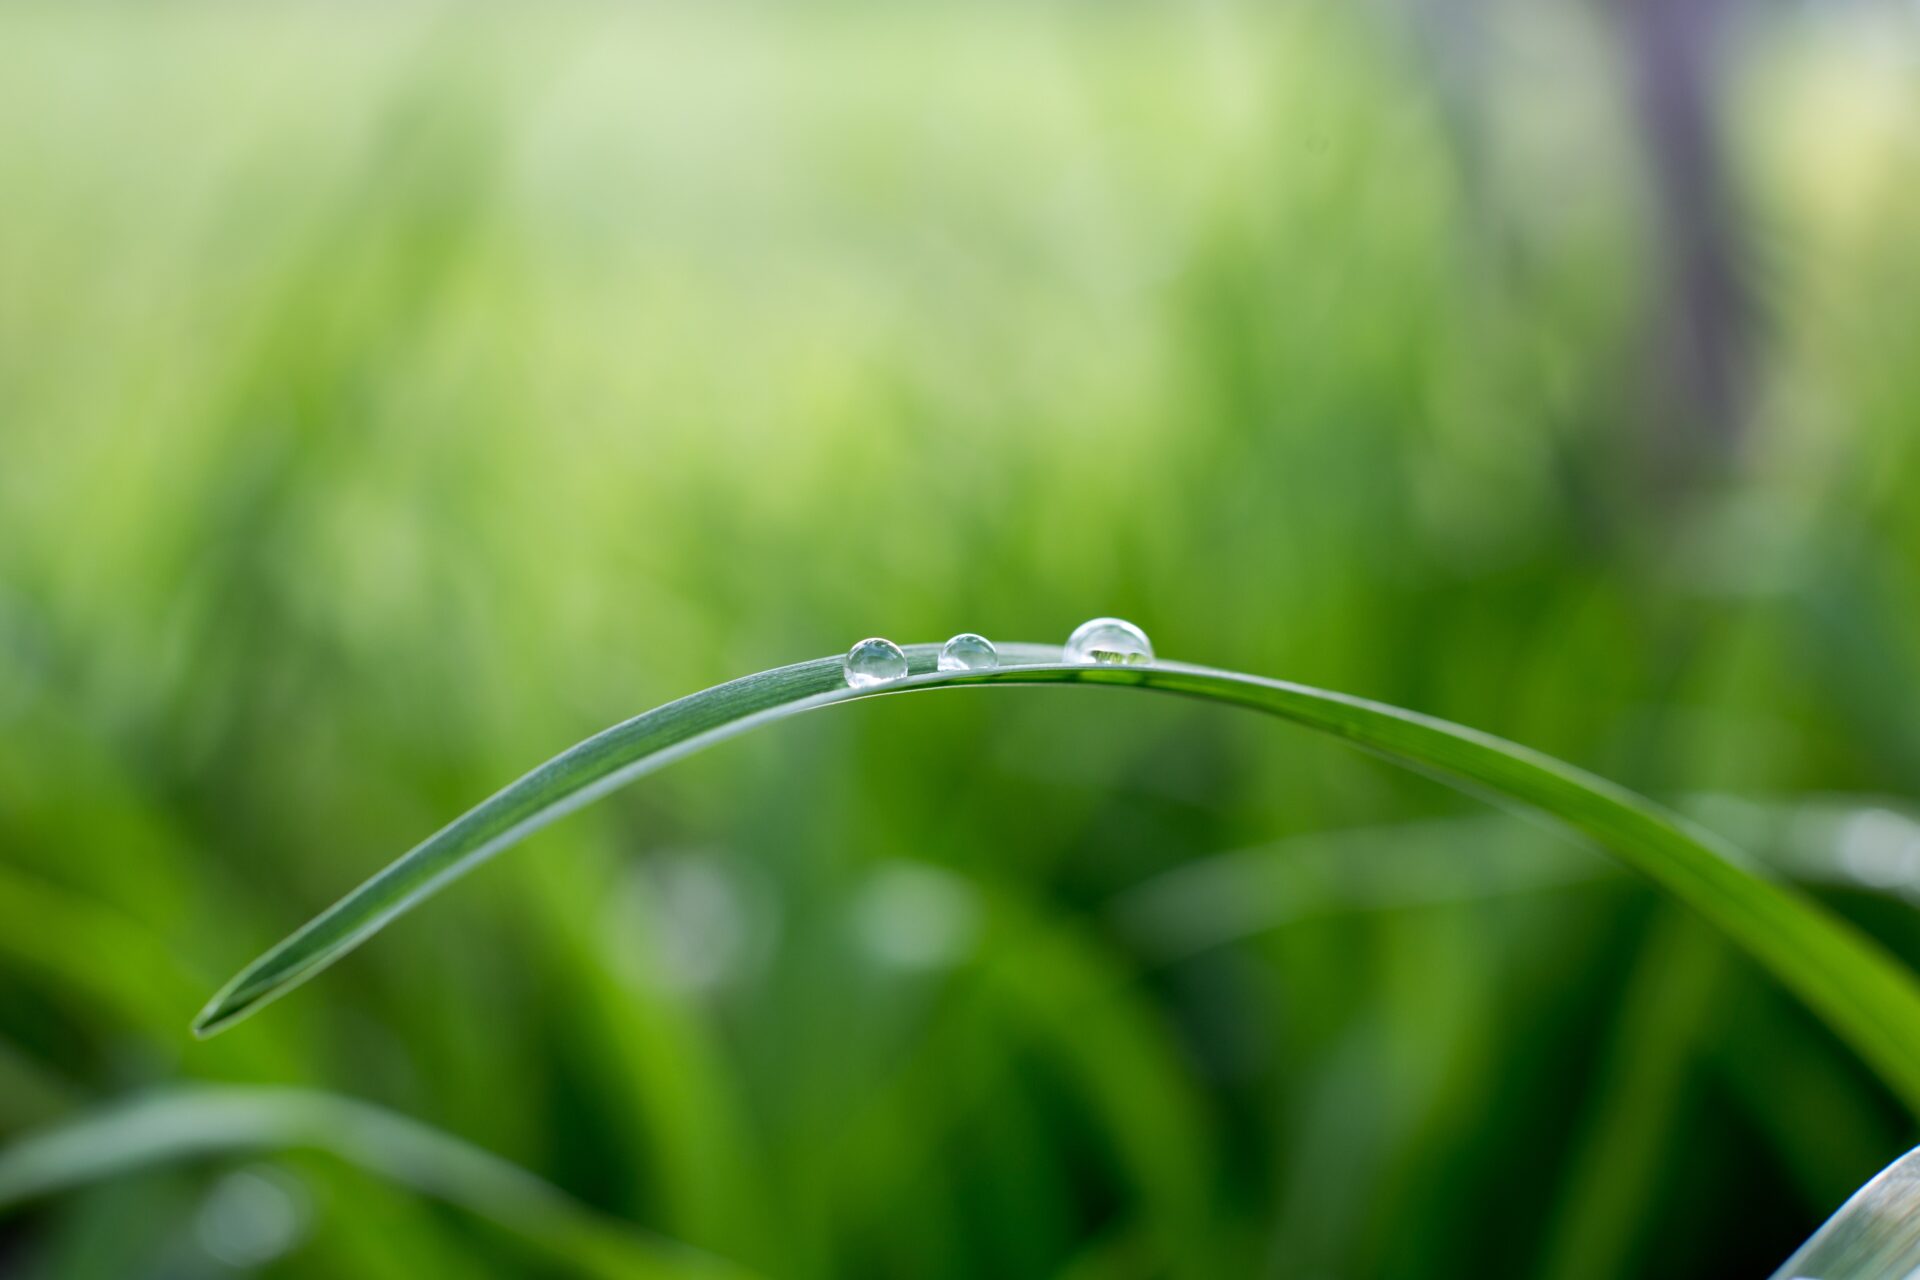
[451,383]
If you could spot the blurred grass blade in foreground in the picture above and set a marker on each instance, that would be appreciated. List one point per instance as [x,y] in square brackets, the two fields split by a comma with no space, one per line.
[192,1123]
[1874,1236]
[1862,992]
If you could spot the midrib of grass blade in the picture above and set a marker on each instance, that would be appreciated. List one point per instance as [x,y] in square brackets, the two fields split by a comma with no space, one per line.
[1861,991]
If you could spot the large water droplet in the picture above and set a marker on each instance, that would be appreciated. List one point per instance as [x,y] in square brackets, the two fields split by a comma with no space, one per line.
[1112,641]
[872,662]
[969,652]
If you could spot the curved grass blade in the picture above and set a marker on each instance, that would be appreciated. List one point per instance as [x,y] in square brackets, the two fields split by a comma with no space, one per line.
[1874,1236]
[196,1122]
[1862,992]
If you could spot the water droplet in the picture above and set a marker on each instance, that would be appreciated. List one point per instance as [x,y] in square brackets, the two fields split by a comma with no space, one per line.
[1109,641]
[969,652]
[873,662]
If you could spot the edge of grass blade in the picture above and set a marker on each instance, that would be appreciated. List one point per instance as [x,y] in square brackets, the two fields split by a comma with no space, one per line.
[1875,1235]
[1867,996]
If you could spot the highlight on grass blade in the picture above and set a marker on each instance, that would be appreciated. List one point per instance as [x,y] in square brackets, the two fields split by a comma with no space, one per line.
[1875,1235]
[1869,998]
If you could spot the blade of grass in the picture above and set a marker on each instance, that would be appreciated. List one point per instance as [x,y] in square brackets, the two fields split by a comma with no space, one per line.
[1665,1018]
[1863,993]
[653,1081]
[1874,1236]
[196,1122]
[113,969]
[30,1093]
[1046,997]
[1218,899]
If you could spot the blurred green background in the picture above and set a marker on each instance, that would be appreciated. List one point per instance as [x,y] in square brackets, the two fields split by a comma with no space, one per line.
[391,396]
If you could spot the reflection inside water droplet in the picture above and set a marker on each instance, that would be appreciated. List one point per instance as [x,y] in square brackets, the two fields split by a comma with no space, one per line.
[872,662]
[969,652]
[1113,641]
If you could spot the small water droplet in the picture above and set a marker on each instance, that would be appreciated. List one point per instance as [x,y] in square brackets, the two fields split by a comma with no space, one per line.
[1109,641]
[969,652]
[872,662]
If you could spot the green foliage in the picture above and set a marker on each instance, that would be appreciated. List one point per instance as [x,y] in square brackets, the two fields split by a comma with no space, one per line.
[388,400]
[194,1123]
[1870,999]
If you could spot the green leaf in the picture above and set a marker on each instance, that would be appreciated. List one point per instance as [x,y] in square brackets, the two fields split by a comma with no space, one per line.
[213,1120]
[1864,994]
[1874,1236]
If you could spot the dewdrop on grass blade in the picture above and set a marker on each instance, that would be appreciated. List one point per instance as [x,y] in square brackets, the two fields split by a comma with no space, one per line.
[1110,642]
[969,652]
[873,662]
